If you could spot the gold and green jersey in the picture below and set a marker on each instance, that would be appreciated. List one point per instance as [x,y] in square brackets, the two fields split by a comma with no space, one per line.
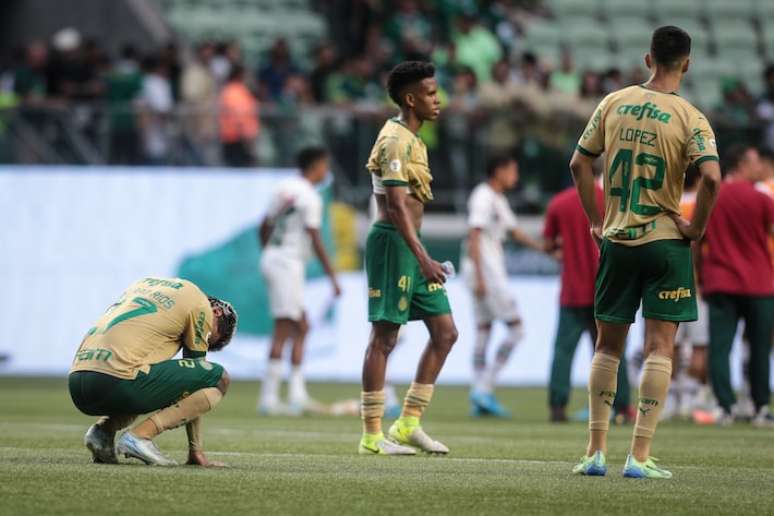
[148,324]
[399,158]
[649,139]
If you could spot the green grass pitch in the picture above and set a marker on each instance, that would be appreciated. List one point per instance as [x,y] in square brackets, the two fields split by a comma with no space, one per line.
[309,465]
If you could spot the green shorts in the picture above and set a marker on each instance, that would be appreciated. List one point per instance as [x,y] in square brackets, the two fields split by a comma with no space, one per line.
[659,274]
[99,394]
[397,291]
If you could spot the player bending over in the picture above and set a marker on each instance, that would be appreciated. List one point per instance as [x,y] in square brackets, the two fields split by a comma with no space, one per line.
[649,135]
[290,229]
[490,221]
[124,367]
[404,283]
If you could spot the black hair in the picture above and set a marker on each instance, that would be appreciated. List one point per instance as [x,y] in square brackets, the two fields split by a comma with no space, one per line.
[227,323]
[733,156]
[407,74]
[497,162]
[669,44]
[309,155]
[237,72]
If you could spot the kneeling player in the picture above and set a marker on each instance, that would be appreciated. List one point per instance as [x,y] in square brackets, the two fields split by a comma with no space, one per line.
[124,367]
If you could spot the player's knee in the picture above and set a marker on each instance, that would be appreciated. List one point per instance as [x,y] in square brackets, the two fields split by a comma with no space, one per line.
[446,337]
[224,382]
[303,327]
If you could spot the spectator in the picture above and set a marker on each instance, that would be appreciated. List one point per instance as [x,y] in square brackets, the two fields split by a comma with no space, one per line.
[170,56]
[476,46]
[355,83]
[325,64]
[738,280]
[765,109]
[590,88]
[29,78]
[68,75]
[409,29]
[737,107]
[239,124]
[612,81]
[566,78]
[124,84]
[497,92]
[156,103]
[272,77]
[199,92]
[529,71]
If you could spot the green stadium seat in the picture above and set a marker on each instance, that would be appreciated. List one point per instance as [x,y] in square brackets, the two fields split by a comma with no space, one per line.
[622,9]
[543,33]
[547,53]
[735,40]
[584,32]
[636,37]
[764,9]
[571,8]
[717,10]
[666,9]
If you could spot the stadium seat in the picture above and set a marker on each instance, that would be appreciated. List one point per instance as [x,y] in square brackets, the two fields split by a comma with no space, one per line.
[584,32]
[764,9]
[717,10]
[666,9]
[622,9]
[571,8]
[543,33]
[735,39]
[636,37]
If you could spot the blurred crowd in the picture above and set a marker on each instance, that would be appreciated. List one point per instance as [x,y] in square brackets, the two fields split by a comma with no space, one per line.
[481,62]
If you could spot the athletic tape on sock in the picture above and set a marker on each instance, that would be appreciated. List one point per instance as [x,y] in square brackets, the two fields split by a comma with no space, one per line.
[187,409]
[417,399]
[603,382]
[372,411]
[654,386]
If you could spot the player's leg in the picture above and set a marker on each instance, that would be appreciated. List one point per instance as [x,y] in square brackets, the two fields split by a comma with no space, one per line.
[668,298]
[723,319]
[760,326]
[617,297]
[384,336]
[407,429]
[392,404]
[297,394]
[284,329]
[181,390]
[87,389]
[568,333]
[478,387]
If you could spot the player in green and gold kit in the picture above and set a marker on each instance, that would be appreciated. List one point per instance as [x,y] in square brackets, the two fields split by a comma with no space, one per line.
[404,283]
[650,136]
[124,368]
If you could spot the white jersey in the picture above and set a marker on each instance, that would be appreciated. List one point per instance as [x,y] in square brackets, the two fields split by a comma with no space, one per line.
[490,212]
[295,207]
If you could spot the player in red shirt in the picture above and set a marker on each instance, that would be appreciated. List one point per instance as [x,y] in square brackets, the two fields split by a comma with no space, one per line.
[567,233]
[738,280]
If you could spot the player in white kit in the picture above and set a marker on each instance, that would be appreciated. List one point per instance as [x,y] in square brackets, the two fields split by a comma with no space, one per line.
[491,220]
[290,230]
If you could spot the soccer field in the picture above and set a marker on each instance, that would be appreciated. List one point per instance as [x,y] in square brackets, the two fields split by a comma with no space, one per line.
[309,465]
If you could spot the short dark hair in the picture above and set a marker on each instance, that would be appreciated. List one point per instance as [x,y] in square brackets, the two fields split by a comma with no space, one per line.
[227,323]
[669,44]
[497,162]
[406,74]
[309,155]
[733,156]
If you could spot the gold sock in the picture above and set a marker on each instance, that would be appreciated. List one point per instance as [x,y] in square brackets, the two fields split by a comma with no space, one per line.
[371,411]
[417,399]
[186,410]
[654,385]
[602,386]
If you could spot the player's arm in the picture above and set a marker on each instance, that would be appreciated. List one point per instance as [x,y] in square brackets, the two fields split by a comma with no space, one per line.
[524,239]
[474,251]
[398,213]
[552,243]
[264,230]
[581,166]
[322,255]
[196,456]
[706,195]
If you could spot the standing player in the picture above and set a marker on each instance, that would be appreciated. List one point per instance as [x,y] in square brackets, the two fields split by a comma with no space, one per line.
[404,282]
[566,232]
[490,221]
[738,281]
[649,135]
[124,368]
[291,226]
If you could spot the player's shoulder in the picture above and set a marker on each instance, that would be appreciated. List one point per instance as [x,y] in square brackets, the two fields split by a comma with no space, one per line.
[481,192]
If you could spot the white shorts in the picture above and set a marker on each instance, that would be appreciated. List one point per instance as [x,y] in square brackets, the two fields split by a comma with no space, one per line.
[498,304]
[284,279]
[695,333]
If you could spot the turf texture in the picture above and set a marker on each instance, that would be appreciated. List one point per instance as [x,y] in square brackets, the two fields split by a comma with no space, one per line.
[309,465]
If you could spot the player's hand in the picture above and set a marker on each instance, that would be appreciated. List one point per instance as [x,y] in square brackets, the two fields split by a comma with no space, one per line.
[197,458]
[480,289]
[432,271]
[596,234]
[686,228]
